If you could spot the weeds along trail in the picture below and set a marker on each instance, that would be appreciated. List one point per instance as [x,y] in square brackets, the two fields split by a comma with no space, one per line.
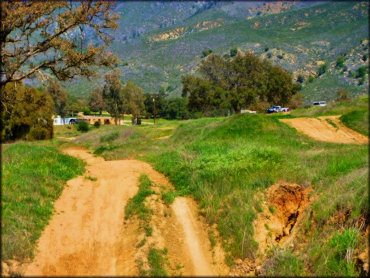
[87,235]
[327,129]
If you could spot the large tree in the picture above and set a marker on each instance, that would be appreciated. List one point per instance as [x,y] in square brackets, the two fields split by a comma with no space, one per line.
[113,95]
[39,38]
[59,97]
[96,101]
[27,113]
[237,83]
[133,98]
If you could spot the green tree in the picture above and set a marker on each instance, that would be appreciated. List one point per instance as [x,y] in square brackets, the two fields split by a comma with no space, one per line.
[59,96]
[300,78]
[238,83]
[176,108]
[206,52]
[322,69]
[361,72]
[113,95]
[233,52]
[31,48]
[340,62]
[133,99]
[96,101]
[26,113]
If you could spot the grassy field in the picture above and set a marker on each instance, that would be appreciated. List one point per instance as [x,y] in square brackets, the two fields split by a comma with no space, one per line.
[224,162]
[32,179]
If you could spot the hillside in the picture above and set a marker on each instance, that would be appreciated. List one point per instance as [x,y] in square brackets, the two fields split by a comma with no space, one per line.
[157,50]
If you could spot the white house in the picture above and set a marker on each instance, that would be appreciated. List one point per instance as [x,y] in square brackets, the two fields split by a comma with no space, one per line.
[62,121]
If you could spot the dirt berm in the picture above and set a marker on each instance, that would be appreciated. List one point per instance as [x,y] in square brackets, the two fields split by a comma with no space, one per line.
[87,234]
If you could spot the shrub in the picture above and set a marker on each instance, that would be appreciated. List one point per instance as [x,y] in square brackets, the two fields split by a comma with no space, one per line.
[280,56]
[269,55]
[83,126]
[300,78]
[311,79]
[40,133]
[206,52]
[322,69]
[233,52]
[342,95]
[86,110]
[361,72]
[97,124]
[109,137]
[266,49]
[340,62]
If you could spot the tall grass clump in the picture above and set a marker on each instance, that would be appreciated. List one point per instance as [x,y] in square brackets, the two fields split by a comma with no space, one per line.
[33,178]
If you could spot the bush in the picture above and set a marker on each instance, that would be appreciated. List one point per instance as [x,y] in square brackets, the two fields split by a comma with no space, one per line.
[361,72]
[300,78]
[97,124]
[40,133]
[83,126]
[269,55]
[322,69]
[311,79]
[86,110]
[343,95]
[233,52]
[206,52]
[340,62]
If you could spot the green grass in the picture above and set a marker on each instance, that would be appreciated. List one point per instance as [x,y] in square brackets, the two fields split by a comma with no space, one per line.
[136,205]
[157,260]
[224,162]
[284,263]
[357,120]
[33,178]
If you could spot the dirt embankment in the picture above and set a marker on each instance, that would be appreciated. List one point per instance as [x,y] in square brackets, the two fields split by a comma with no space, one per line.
[282,210]
[327,129]
[87,234]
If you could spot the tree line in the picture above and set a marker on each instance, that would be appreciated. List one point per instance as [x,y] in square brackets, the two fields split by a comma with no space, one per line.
[236,83]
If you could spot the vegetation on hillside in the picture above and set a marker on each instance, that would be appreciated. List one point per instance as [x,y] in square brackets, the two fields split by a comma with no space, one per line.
[224,162]
[33,176]
[237,84]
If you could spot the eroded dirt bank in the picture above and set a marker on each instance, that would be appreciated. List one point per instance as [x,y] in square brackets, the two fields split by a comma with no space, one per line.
[327,129]
[282,210]
[87,234]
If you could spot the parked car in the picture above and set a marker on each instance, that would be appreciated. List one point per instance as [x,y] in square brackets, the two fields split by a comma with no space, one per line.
[285,109]
[273,109]
[75,121]
[319,103]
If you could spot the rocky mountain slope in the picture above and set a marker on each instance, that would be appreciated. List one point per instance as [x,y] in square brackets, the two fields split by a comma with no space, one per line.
[159,42]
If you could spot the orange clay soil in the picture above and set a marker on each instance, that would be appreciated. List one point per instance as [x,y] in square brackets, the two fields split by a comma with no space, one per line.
[88,234]
[320,129]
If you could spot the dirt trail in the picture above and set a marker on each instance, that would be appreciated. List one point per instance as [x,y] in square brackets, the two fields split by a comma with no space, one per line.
[87,234]
[320,129]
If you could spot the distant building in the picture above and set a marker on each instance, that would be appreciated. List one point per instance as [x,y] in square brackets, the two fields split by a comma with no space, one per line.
[90,119]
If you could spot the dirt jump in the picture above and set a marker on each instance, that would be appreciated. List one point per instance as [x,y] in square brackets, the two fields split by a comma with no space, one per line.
[88,236]
[327,129]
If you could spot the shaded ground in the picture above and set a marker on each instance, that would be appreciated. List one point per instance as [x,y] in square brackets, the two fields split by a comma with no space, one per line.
[87,234]
[327,129]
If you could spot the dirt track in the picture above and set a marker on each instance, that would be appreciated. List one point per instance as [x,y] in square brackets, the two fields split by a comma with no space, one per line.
[87,235]
[320,129]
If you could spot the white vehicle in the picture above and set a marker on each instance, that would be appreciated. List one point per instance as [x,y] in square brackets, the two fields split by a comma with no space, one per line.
[319,103]
[285,109]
